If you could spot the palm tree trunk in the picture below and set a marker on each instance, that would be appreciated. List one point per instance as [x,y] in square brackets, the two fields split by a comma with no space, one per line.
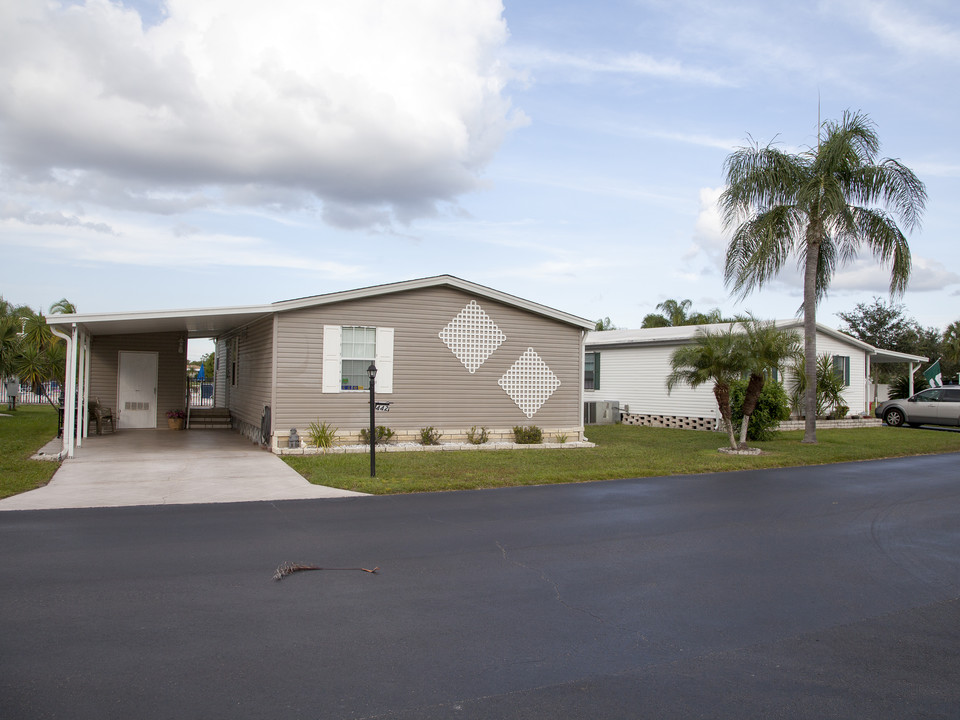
[810,335]
[750,399]
[722,394]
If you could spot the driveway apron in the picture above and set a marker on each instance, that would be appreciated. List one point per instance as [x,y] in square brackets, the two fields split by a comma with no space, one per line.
[165,467]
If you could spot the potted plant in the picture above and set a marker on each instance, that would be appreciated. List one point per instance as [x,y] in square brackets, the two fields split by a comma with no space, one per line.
[175,419]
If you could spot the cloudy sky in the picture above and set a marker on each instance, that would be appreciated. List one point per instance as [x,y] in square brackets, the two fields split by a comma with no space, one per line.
[196,153]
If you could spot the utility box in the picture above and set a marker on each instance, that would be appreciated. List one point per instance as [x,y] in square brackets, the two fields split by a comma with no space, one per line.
[601,412]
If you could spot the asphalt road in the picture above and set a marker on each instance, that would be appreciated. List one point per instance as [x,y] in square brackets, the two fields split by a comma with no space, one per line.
[823,592]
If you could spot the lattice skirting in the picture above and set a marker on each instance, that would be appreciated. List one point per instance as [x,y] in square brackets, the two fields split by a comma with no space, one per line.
[669,421]
[828,424]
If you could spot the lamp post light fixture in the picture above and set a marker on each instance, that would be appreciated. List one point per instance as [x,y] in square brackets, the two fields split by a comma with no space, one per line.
[372,374]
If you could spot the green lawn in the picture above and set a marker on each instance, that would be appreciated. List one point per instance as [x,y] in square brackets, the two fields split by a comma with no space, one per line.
[622,451]
[28,429]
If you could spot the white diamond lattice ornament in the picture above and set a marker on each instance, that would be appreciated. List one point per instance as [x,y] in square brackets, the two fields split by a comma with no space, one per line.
[529,382]
[472,336]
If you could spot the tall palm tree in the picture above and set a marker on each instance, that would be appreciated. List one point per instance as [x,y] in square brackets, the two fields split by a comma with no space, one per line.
[767,348]
[716,357]
[822,205]
[675,312]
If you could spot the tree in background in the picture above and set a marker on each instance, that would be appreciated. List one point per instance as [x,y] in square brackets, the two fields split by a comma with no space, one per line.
[674,314]
[822,206]
[604,324]
[888,327]
[208,360]
[713,357]
[951,343]
[29,349]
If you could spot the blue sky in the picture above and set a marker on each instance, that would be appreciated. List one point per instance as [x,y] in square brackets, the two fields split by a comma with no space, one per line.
[201,153]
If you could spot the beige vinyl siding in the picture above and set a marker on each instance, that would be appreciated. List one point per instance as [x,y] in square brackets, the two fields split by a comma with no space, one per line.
[430,385]
[220,393]
[254,373]
[171,369]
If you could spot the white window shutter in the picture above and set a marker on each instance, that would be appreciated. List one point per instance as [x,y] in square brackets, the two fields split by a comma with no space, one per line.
[384,360]
[330,379]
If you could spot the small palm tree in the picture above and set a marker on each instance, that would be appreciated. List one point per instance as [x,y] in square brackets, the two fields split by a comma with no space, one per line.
[713,357]
[822,206]
[767,348]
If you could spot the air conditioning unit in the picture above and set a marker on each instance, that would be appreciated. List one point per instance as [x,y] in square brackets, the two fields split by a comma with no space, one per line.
[601,412]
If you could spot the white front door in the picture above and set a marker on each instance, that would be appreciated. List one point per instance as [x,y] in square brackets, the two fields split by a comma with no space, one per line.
[137,391]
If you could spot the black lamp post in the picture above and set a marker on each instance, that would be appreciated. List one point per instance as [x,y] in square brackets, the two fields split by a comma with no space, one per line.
[372,374]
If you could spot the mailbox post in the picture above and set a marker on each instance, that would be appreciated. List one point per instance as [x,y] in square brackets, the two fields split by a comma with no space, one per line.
[372,374]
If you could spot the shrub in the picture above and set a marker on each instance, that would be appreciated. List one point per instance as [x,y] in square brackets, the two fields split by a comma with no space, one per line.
[900,387]
[477,437]
[562,438]
[430,436]
[323,435]
[384,435]
[772,407]
[531,435]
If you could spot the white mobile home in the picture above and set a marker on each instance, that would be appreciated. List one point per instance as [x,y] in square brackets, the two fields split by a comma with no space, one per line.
[630,367]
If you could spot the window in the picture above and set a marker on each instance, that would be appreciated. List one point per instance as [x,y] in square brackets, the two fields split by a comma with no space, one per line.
[358,348]
[841,366]
[950,395]
[347,353]
[591,371]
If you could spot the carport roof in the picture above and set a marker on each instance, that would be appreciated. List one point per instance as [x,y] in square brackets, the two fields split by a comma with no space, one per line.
[213,322]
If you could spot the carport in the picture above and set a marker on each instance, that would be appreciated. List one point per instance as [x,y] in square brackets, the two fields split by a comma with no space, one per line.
[162,333]
[162,467]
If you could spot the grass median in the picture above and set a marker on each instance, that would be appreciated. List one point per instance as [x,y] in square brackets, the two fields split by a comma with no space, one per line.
[23,432]
[622,451]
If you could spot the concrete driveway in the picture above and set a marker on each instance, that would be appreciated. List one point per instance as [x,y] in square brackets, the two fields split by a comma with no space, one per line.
[163,467]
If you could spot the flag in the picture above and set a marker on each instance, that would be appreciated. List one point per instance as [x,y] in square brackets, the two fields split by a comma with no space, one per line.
[932,374]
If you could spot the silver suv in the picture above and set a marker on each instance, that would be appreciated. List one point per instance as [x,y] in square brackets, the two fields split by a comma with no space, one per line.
[936,406]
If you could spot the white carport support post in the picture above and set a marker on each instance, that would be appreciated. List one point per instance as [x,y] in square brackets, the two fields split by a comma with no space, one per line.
[85,391]
[70,388]
[913,368]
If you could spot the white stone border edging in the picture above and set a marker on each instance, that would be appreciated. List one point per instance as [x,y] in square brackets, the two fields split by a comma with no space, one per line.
[443,447]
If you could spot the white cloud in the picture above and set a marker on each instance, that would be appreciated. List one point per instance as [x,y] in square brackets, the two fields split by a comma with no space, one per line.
[382,109]
[178,247]
[708,237]
[624,64]
[903,27]
[865,273]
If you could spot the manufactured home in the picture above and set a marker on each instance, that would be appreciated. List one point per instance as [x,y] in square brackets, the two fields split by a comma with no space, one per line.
[448,353]
[626,372]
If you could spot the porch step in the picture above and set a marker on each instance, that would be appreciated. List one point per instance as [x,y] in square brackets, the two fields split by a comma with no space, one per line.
[210,419]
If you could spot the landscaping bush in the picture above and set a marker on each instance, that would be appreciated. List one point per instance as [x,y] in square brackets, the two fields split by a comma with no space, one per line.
[772,407]
[384,435]
[323,435]
[477,437]
[900,387]
[430,436]
[531,435]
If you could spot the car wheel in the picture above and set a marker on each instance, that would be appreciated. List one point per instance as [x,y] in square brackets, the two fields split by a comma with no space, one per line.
[893,417]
